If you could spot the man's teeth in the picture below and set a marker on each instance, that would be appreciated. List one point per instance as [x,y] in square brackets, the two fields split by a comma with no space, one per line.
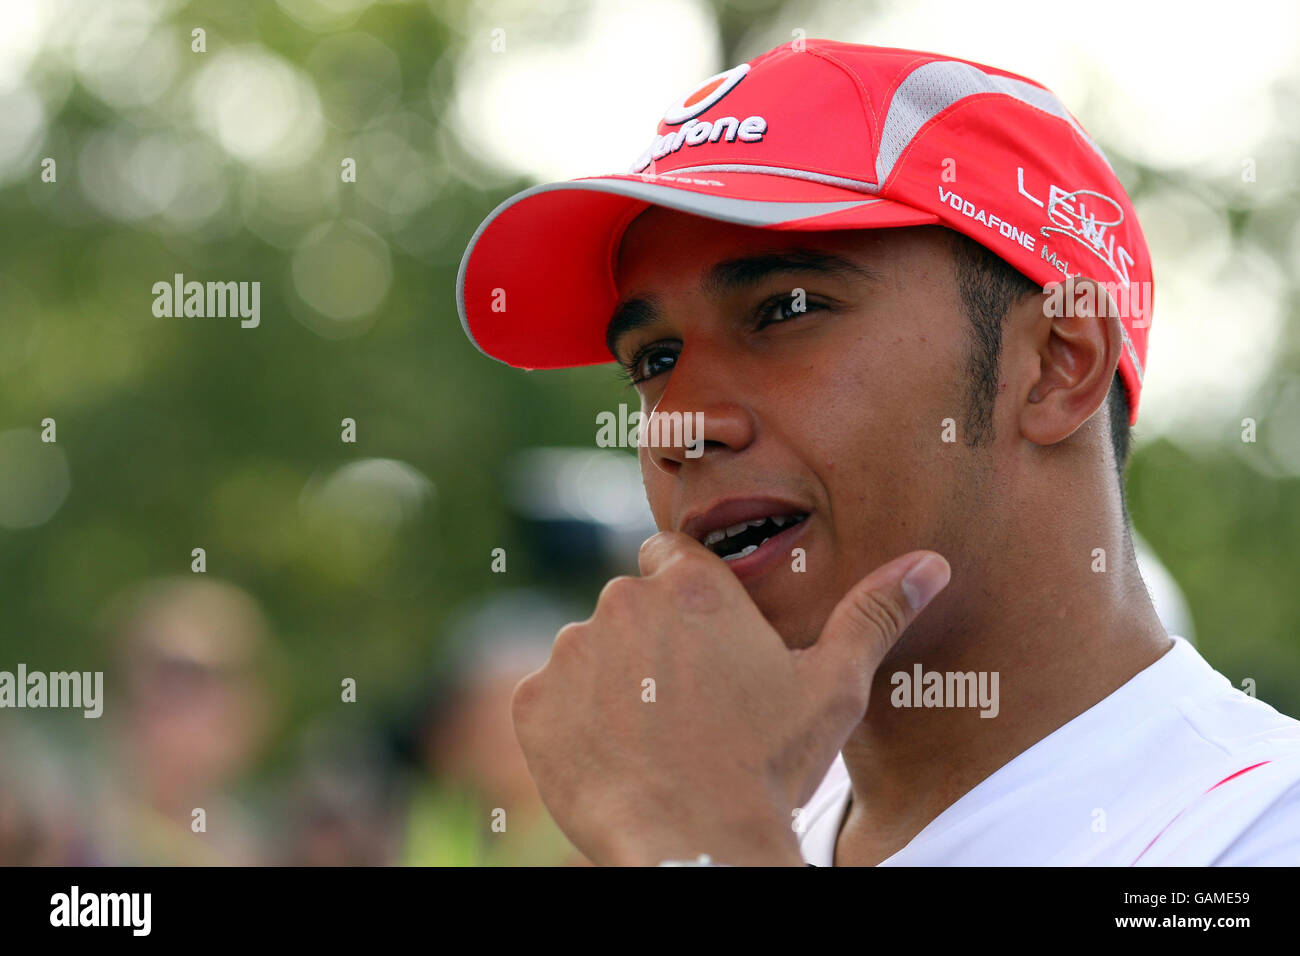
[735,529]
[714,538]
[740,554]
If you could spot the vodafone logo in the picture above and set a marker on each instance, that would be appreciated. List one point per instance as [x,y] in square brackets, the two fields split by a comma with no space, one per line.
[708,93]
[693,132]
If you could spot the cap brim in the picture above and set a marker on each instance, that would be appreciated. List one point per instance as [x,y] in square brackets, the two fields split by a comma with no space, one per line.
[536,284]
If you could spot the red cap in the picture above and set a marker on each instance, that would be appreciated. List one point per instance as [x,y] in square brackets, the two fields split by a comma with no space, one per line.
[813,136]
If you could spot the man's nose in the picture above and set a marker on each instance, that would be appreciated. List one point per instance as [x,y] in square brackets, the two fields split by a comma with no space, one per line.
[696,416]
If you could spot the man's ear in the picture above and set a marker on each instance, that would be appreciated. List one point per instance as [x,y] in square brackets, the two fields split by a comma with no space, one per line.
[1077,338]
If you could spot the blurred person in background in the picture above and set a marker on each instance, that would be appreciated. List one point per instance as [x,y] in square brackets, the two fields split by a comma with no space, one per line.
[340,807]
[190,715]
[41,820]
[479,805]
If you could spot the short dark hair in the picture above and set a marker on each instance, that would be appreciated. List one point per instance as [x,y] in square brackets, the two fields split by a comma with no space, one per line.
[989,286]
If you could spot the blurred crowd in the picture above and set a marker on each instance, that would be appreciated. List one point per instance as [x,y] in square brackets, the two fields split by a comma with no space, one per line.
[163,778]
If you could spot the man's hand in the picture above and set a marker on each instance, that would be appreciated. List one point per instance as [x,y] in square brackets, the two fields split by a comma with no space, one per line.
[675,721]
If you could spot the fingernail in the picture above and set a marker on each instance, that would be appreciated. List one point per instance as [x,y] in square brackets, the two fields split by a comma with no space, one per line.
[926,578]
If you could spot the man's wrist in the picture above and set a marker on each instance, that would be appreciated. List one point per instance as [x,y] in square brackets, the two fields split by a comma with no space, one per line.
[761,841]
[702,860]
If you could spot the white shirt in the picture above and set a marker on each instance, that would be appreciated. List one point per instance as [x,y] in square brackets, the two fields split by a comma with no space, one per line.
[1175,768]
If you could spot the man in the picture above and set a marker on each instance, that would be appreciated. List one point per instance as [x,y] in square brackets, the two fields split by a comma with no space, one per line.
[908,300]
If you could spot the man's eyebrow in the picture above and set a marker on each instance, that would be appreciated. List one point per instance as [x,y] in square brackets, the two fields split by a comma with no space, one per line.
[630,315]
[749,270]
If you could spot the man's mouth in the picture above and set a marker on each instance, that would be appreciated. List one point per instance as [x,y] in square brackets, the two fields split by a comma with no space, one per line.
[744,538]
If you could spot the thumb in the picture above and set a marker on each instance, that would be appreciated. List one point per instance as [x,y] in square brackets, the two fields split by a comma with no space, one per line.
[872,616]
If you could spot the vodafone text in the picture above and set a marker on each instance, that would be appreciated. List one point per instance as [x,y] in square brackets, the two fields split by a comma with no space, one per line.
[971,211]
[725,129]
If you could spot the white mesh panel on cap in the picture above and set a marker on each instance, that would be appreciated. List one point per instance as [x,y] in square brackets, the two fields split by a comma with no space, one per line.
[932,88]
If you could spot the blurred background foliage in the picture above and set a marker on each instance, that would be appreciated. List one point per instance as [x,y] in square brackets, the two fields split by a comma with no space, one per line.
[180,433]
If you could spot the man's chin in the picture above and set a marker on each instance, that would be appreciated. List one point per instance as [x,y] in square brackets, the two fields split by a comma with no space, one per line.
[791,625]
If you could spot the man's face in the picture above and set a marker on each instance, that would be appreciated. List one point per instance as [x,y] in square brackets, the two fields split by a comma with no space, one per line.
[836,412]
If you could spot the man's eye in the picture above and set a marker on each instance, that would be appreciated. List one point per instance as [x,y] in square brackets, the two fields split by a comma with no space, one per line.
[784,307]
[651,361]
